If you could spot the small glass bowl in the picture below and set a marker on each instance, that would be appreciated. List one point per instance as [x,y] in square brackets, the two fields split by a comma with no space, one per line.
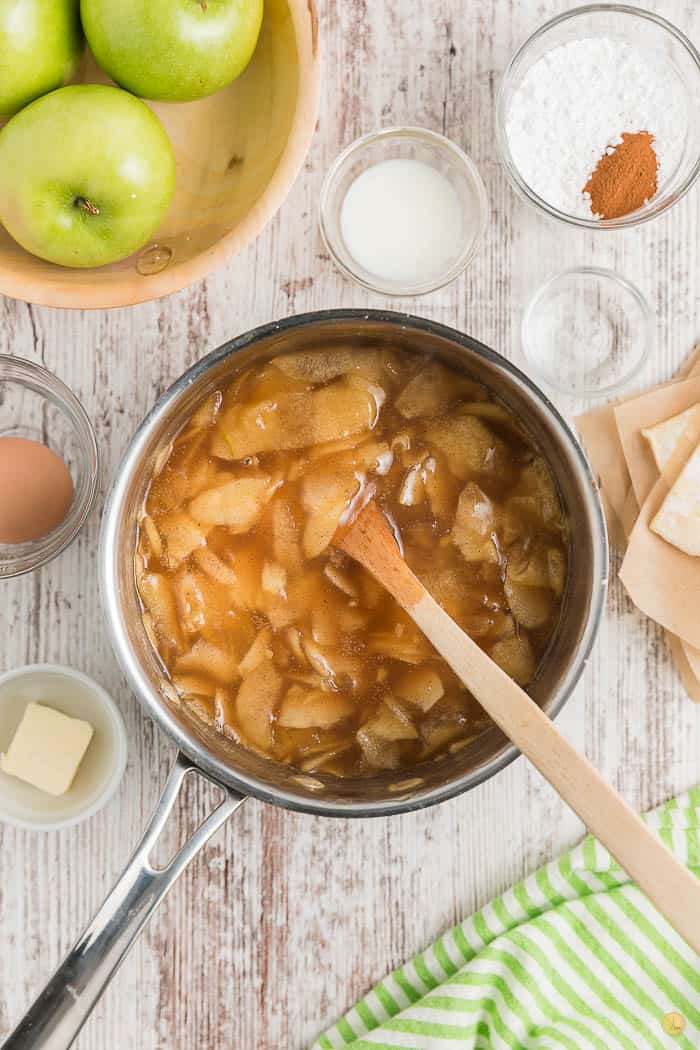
[587,332]
[35,404]
[403,143]
[641,29]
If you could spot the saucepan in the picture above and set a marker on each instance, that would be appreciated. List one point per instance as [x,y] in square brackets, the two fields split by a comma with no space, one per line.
[59,1012]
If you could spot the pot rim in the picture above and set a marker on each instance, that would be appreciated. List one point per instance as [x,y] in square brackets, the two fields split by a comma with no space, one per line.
[158,710]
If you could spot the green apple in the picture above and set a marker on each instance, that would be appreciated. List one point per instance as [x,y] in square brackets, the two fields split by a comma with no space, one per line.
[86,175]
[40,44]
[172,50]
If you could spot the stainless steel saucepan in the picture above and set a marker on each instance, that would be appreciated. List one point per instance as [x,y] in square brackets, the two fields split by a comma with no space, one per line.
[56,1017]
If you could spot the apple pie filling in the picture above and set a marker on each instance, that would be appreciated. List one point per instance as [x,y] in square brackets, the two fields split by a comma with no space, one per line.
[279,640]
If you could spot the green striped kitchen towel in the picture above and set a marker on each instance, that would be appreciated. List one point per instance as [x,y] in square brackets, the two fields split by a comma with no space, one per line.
[572,958]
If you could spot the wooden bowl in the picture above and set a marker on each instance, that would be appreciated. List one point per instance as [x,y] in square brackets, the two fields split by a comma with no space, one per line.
[238,153]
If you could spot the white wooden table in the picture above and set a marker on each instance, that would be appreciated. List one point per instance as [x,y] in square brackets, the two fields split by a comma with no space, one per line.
[286,919]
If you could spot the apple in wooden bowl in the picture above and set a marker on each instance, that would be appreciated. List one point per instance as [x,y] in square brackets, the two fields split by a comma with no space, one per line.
[237,154]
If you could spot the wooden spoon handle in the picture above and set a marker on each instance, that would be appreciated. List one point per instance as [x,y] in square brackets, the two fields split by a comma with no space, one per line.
[666,881]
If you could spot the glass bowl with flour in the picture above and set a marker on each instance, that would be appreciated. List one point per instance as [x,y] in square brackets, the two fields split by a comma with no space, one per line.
[598,116]
[403,211]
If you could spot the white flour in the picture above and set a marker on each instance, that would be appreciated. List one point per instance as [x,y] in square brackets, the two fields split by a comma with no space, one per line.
[574,103]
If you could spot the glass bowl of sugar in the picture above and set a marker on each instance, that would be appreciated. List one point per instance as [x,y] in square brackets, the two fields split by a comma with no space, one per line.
[403,211]
[598,116]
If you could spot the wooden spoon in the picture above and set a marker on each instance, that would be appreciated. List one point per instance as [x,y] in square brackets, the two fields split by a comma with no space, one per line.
[667,883]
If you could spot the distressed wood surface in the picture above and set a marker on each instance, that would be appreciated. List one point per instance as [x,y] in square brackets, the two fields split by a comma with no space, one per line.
[286,919]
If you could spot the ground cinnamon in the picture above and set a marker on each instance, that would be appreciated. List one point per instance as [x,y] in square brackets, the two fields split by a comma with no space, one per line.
[625,178]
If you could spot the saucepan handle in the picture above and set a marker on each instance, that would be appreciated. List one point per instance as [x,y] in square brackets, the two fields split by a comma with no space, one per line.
[55,1018]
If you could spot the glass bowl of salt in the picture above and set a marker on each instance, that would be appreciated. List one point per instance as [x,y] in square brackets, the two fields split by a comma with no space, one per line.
[598,116]
[587,332]
[403,211]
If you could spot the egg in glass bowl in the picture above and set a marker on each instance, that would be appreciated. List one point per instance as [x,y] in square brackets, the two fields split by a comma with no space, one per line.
[49,466]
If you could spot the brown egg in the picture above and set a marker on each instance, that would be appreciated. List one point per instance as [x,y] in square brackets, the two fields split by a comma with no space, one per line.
[36,490]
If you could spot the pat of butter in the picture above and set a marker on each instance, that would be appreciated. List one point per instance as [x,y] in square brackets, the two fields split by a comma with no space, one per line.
[47,749]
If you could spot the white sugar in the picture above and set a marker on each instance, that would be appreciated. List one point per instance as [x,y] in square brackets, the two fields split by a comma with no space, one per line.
[573,105]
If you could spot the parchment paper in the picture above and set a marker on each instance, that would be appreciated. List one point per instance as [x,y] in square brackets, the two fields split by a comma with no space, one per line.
[692,655]
[690,680]
[661,580]
[639,413]
[601,438]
